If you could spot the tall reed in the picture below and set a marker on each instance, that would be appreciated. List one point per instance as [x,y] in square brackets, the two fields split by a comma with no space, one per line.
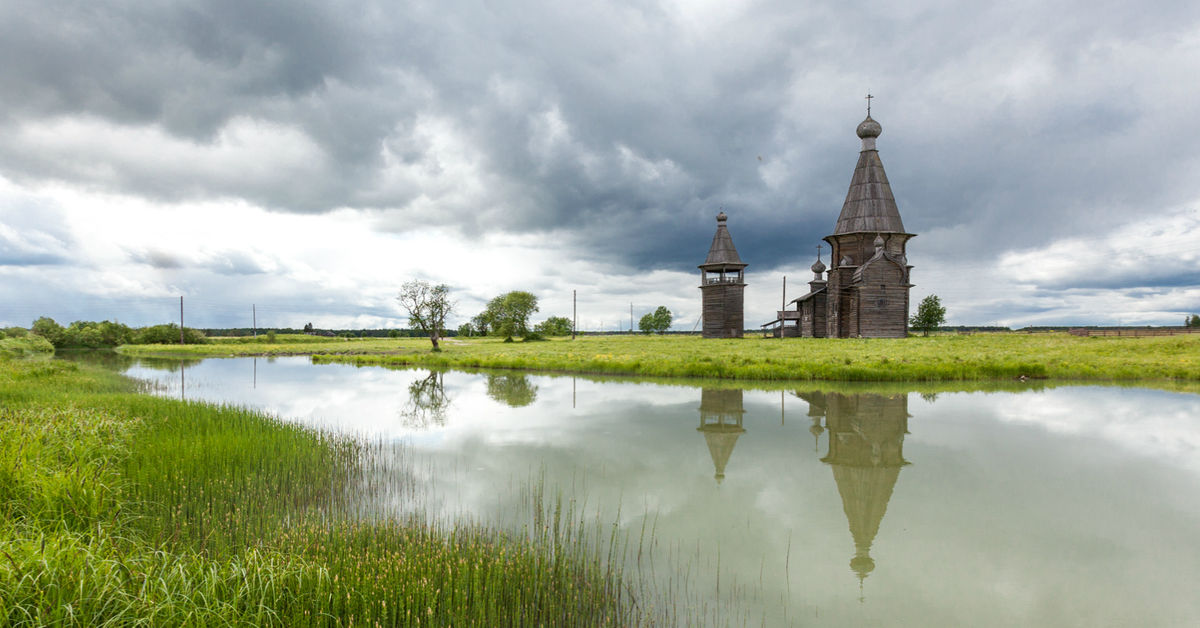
[117,508]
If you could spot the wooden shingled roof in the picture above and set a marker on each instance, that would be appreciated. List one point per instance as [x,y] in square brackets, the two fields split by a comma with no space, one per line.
[869,205]
[722,253]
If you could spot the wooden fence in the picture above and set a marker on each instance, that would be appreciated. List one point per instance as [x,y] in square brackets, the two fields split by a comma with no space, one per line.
[1135,331]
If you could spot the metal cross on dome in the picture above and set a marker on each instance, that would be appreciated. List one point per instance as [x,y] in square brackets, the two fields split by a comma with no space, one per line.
[869,97]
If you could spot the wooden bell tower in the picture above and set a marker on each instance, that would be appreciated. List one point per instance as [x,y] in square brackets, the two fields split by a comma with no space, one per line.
[723,286]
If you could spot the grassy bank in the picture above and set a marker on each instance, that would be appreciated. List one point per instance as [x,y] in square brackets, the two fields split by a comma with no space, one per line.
[117,508]
[936,358]
[25,347]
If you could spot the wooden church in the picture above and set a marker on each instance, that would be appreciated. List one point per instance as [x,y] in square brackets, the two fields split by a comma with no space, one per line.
[865,293]
[866,452]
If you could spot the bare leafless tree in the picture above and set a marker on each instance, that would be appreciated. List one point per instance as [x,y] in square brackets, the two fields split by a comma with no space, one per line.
[427,307]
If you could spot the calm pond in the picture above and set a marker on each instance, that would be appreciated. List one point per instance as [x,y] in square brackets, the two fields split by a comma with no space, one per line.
[816,505]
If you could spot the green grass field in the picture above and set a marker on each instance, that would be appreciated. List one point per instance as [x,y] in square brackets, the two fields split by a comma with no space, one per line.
[937,358]
[122,509]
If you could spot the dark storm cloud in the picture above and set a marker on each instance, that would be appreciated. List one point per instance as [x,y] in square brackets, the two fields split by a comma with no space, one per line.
[1141,283]
[11,256]
[625,127]
[224,262]
[158,259]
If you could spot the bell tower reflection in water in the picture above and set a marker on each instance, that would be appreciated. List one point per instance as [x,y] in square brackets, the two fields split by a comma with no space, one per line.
[721,412]
[866,450]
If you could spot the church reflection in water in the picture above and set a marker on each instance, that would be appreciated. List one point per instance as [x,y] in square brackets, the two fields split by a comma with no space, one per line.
[866,450]
[721,412]
[865,436]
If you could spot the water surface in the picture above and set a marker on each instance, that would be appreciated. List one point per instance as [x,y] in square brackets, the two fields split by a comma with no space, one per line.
[1071,506]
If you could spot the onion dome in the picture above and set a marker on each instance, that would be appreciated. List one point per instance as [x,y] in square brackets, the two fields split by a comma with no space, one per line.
[721,217]
[818,267]
[869,128]
[869,206]
[862,564]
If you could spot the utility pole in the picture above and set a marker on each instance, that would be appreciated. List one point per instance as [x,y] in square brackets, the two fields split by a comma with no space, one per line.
[631,318]
[784,306]
[574,317]
[254,319]
[181,325]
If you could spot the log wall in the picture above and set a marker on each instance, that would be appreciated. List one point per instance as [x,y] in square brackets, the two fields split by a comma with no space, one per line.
[882,302]
[723,310]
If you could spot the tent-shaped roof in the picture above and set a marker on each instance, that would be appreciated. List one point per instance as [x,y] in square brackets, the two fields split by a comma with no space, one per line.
[721,438]
[721,411]
[869,204]
[865,493]
[722,253]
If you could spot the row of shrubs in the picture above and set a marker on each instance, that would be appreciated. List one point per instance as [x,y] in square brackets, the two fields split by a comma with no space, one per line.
[96,335]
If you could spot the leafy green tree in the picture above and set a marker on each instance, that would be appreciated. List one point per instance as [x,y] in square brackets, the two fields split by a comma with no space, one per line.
[930,315]
[481,323]
[1194,321]
[466,330]
[114,334]
[646,323]
[427,307]
[658,321]
[555,326]
[84,334]
[50,330]
[167,335]
[515,390]
[508,314]
[93,335]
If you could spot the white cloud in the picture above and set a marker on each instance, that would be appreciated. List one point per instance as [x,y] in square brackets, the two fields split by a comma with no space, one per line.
[245,153]
[555,148]
[1138,253]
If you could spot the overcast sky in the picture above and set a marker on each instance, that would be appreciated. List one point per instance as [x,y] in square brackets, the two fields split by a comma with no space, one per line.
[309,157]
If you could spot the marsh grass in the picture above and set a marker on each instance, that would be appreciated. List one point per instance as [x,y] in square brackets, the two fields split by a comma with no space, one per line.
[118,508]
[937,358]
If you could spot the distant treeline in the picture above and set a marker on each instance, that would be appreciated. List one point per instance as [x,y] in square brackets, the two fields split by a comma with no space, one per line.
[97,335]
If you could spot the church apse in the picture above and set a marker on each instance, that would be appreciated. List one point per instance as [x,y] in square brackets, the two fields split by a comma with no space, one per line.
[865,435]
